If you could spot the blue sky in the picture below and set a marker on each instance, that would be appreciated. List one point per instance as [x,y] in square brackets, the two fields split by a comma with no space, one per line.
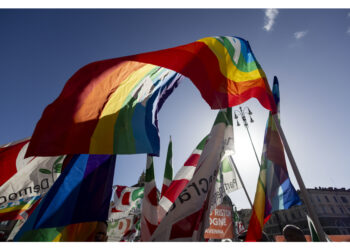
[307,49]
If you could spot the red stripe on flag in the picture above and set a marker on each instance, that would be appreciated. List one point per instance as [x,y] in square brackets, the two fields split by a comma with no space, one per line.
[175,189]
[8,157]
[267,218]
[150,226]
[185,227]
[152,197]
[192,160]
[114,210]
[164,189]
[13,215]
[126,198]
[254,232]
[119,190]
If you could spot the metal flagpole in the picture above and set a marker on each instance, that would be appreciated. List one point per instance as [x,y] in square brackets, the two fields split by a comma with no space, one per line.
[251,141]
[240,179]
[241,112]
[303,190]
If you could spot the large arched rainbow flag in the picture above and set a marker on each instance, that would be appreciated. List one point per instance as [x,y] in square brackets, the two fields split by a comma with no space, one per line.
[111,106]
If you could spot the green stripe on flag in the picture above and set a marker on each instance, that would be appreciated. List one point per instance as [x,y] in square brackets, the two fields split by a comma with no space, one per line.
[150,170]
[224,116]
[202,143]
[226,167]
[43,234]
[168,174]
[313,233]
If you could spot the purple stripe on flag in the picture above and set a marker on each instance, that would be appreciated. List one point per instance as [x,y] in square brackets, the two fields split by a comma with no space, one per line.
[96,189]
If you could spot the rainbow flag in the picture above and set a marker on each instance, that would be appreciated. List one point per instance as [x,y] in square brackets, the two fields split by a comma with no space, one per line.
[14,210]
[78,199]
[274,189]
[111,106]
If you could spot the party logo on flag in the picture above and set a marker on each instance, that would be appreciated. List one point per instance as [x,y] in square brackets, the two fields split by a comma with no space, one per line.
[127,201]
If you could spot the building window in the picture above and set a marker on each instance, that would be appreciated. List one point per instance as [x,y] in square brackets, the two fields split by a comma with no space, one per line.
[341,210]
[293,216]
[324,210]
[318,198]
[335,199]
[343,199]
[332,210]
[326,198]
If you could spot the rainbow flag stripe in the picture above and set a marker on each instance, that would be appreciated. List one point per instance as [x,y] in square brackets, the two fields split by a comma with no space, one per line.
[74,232]
[274,189]
[13,210]
[111,106]
[81,194]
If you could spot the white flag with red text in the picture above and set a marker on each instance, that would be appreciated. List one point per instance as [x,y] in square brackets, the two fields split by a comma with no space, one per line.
[188,216]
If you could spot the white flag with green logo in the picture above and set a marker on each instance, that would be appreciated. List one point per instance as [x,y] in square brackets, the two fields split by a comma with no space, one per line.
[230,180]
[34,179]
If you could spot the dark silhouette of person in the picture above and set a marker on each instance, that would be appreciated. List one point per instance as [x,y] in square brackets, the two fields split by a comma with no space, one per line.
[101,231]
[293,233]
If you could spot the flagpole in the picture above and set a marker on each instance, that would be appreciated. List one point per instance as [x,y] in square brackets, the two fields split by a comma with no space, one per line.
[300,181]
[240,179]
[241,113]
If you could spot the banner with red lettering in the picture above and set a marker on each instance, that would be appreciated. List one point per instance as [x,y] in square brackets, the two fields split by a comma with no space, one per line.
[220,222]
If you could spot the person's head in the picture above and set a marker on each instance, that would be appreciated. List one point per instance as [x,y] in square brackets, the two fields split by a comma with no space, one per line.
[293,233]
[101,231]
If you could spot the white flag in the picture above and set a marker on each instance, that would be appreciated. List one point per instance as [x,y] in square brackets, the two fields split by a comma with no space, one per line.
[33,176]
[184,221]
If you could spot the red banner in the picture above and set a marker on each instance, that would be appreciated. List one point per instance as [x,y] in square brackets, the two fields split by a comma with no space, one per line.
[221,226]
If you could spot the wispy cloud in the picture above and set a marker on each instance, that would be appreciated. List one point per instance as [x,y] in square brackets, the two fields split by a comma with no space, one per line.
[348,31]
[348,14]
[270,15]
[300,34]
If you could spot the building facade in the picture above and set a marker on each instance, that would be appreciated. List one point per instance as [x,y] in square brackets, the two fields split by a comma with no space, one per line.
[332,206]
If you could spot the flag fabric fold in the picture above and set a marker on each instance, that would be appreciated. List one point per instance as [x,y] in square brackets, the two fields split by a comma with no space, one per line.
[114,112]
[274,189]
[181,179]
[149,215]
[313,233]
[127,201]
[8,159]
[229,176]
[24,181]
[76,202]
[188,216]
[168,172]
[111,106]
